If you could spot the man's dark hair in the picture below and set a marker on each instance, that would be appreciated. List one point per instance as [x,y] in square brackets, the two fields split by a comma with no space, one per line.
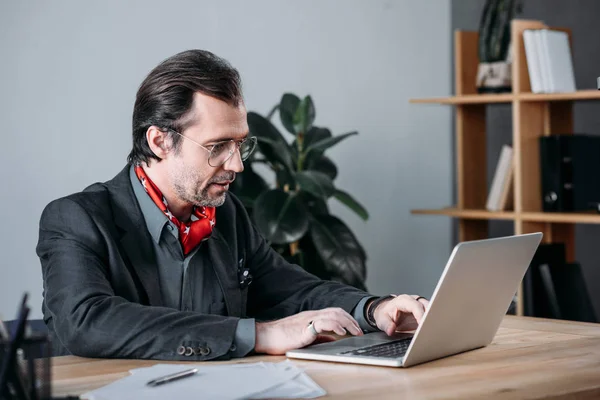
[165,98]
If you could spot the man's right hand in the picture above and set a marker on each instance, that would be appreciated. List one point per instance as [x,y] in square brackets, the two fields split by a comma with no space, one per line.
[277,337]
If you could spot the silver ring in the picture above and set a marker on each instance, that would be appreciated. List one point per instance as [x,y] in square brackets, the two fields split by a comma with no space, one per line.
[311,328]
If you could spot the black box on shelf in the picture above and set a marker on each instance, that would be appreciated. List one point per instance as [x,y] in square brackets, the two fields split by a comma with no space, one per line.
[569,166]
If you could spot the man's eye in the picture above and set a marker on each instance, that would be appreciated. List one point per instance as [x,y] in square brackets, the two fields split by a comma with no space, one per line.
[219,147]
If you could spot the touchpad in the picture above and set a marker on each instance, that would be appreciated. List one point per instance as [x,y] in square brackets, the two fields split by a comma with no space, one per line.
[356,342]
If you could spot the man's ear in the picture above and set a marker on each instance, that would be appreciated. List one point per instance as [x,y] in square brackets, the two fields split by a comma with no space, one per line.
[158,141]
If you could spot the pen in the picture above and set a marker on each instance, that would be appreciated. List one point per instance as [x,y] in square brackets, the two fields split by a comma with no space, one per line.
[172,377]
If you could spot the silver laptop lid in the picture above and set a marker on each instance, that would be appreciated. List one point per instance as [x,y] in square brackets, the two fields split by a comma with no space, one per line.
[472,296]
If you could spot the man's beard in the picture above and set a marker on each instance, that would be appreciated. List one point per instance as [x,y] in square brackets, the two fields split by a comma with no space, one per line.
[202,198]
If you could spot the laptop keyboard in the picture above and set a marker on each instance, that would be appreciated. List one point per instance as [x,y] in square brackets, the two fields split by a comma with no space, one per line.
[395,349]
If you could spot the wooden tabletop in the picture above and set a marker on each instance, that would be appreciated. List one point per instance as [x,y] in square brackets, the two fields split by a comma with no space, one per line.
[530,358]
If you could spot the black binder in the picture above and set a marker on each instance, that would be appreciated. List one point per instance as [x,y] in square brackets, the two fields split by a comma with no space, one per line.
[535,296]
[571,293]
[569,166]
[556,173]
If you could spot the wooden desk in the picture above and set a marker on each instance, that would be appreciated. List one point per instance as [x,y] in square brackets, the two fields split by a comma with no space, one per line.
[529,358]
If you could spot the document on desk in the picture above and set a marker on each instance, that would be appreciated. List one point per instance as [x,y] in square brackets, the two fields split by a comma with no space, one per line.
[220,382]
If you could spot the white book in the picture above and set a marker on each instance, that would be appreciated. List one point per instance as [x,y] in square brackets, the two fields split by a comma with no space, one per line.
[501,179]
[560,62]
[533,61]
[543,60]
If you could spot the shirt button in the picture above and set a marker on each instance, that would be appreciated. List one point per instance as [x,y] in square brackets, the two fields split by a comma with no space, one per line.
[204,351]
[170,227]
[233,347]
[181,350]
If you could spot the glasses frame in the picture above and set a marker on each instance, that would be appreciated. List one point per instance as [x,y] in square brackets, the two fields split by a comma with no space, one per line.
[231,153]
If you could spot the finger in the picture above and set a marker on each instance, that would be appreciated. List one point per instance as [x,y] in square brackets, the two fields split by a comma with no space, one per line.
[350,324]
[389,326]
[346,320]
[396,316]
[331,325]
[416,308]
[421,300]
[387,322]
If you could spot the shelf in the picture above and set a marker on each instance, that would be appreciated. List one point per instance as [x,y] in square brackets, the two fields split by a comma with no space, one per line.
[567,218]
[533,115]
[468,99]
[509,97]
[578,95]
[468,214]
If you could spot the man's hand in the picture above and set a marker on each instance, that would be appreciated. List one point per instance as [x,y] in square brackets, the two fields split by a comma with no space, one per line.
[402,313]
[277,337]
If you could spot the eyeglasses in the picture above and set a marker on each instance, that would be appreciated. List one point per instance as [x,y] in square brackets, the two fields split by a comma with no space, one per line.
[221,152]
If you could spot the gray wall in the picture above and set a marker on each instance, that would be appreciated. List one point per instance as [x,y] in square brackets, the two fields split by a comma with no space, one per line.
[70,70]
[582,17]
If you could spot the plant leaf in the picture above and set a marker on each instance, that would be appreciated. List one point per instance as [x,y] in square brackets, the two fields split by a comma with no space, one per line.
[315,205]
[316,134]
[324,144]
[304,115]
[323,164]
[285,177]
[342,254]
[280,216]
[351,203]
[275,151]
[316,183]
[263,128]
[287,109]
[248,185]
[313,263]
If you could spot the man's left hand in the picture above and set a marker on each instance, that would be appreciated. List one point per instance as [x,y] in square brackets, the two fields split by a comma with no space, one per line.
[402,313]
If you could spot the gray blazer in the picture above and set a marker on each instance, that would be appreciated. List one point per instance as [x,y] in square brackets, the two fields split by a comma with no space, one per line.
[101,290]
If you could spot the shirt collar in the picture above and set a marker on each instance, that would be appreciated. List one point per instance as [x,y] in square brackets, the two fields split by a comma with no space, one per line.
[155,218]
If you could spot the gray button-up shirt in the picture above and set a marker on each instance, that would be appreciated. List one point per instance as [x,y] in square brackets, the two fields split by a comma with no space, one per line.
[185,281]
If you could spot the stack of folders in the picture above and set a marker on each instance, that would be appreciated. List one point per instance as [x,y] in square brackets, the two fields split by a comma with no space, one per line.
[500,194]
[549,61]
[217,382]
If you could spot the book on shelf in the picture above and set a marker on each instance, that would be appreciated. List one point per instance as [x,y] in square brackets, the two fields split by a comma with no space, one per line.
[501,188]
[549,61]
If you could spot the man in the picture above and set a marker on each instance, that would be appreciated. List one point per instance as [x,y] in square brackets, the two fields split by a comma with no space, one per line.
[162,263]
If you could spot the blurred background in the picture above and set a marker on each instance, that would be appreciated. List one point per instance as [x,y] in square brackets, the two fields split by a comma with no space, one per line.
[71,69]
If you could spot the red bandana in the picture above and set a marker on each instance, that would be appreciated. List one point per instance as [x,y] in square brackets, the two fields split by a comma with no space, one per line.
[190,234]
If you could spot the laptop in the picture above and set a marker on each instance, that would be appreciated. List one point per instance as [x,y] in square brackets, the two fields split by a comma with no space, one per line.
[469,302]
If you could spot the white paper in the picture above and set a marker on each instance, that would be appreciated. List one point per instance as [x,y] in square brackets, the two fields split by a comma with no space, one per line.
[233,381]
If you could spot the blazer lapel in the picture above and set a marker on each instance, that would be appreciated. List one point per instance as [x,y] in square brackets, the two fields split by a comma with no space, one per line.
[136,240]
[225,267]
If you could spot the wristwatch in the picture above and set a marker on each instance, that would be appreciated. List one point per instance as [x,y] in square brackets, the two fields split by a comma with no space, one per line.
[370,311]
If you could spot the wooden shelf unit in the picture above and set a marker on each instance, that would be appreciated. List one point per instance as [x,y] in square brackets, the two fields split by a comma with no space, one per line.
[533,115]
[509,98]
[575,218]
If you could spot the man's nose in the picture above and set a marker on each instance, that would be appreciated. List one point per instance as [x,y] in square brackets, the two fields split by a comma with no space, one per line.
[235,162]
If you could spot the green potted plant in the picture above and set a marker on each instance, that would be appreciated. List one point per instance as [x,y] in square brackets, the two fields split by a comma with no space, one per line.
[293,213]
[494,48]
